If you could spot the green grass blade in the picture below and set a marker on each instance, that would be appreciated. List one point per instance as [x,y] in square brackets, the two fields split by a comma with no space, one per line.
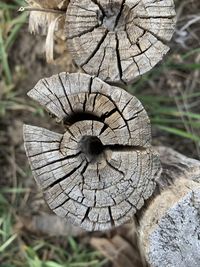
[17,24]
[190,53]
[7,6]
[19,2]
[14,190]
[4,59]
[84,264]
[177,122]
[174,112]
[179,132]
[192,66]
[8,242]
[52,264]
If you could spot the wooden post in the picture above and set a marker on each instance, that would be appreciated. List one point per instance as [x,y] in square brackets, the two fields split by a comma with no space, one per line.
[169,225]
[119,40]
[99,172]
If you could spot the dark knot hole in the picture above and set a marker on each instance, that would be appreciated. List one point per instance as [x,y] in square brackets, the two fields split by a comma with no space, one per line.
[113,17]
[91,146]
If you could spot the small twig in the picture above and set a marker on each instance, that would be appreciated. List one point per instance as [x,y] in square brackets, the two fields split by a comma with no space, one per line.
[30,9]
[189,23]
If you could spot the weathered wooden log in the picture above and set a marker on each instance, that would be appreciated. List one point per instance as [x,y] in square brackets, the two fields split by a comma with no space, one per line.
[118,40]
[99,172]
[169,226]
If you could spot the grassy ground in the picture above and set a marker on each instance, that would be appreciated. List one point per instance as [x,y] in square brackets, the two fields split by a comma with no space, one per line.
[18,246]
[170,93]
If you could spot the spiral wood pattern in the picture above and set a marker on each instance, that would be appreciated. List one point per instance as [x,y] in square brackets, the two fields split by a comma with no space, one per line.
[100,171]
[118,40]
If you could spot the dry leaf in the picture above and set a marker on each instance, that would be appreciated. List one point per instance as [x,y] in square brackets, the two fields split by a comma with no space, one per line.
[122,249]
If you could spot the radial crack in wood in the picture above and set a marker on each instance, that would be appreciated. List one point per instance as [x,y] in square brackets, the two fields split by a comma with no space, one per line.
[119,40]
[100,171]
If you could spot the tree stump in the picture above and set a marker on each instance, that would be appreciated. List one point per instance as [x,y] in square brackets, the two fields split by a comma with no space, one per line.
[169,226]
[119,40]
[99,172]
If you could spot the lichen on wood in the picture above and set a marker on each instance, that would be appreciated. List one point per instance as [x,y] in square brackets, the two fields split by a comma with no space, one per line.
[119,40]
[99,172]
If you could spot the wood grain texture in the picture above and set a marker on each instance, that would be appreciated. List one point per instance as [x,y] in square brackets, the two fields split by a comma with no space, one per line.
[118,40]
[100,171]
[169,227]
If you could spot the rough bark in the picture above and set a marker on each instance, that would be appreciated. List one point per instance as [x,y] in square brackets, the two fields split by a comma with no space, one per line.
[99,172]
[119,40]
[169,226]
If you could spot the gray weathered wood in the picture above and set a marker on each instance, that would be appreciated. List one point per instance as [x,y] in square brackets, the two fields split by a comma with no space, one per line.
[169,228]
[100,171]
[118,40]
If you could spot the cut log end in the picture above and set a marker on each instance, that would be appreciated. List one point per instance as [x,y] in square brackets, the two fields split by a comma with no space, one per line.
[169,228]
[100,171]
[119,40]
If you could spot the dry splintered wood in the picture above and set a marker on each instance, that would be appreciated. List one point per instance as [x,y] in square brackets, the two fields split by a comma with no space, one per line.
[119,40]
[100,171]
[169,228]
